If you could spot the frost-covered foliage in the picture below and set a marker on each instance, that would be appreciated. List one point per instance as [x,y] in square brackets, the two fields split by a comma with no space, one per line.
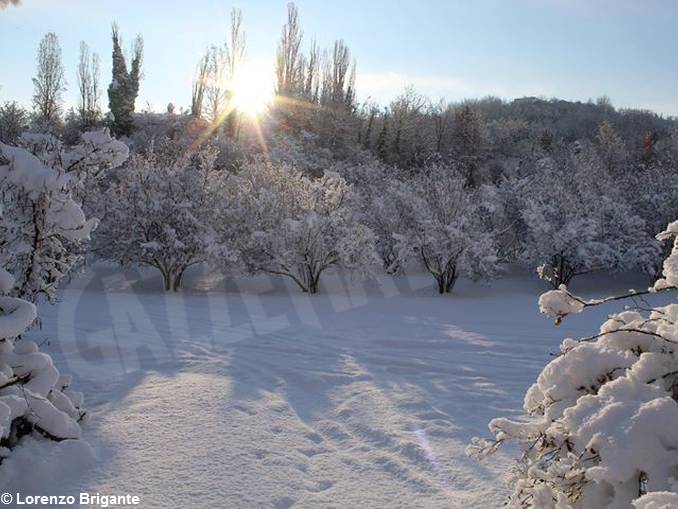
[296,226]
[602,418]
[160,210]
[577,221]
[444,230]
[382,202]
[41,229]
[42,224]
[390,211]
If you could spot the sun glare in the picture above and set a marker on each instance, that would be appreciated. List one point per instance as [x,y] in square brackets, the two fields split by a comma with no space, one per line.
[252,88]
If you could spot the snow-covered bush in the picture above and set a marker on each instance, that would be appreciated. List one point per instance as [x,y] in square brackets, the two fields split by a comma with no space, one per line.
[160,210]
[445,231]
[34,397]
[602,418]
[41,229]
[296,226]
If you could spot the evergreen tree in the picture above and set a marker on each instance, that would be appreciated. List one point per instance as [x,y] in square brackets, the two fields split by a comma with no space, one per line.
[124,87]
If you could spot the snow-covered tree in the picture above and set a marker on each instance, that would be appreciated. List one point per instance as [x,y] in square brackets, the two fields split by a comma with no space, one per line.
[602,418]
[382,202]
[389,211]
[40,230]
[577,221]
[160,208]
[43,224]
[611,147]
[446,233]
[297,226]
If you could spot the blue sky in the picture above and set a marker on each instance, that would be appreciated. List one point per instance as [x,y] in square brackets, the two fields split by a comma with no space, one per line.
[572,49]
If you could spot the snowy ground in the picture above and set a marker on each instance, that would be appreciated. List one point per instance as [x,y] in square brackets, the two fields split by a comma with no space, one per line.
[243,393]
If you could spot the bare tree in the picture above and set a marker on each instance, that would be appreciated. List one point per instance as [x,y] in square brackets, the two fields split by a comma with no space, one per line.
[311,74]
[218,69]
[338,79]
[215,89]
[406,111]
[441,115]
[288,56]
[199,86]
[235,56]
[50,82]
[88,86]
[237,44]
[468,140]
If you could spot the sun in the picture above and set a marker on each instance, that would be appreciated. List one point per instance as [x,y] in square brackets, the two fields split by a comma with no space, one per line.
[252,88]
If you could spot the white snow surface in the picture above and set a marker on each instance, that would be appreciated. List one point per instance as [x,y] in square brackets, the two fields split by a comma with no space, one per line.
[244,393]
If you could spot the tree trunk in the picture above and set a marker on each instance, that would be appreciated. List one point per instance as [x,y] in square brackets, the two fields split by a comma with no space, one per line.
[441,284]
[452,279]
[562,271]
[312,281]
[176,284]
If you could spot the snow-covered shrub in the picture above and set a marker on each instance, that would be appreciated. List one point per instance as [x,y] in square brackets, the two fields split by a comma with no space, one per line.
[160,210]
[41,229]
[34,397]
[445,231]
[42,224]
[297,226]
[601,429]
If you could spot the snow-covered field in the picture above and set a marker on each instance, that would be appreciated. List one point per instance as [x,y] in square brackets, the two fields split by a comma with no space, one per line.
[244,393]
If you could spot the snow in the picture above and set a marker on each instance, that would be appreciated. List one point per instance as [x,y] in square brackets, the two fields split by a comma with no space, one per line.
[17,315]
[559,303]
[28,173]
[243,392]
[6,281]
[670,267]
[657,500]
